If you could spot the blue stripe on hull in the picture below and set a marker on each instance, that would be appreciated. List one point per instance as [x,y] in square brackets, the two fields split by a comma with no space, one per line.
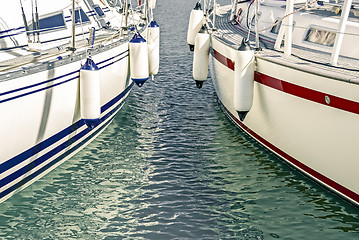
[34,150]
[86,135]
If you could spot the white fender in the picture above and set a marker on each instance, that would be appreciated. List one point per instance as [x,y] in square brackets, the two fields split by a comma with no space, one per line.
[151,4]
[201,57]
[138,59]
[90,93]
[153,38]
[243,80]
[195,23]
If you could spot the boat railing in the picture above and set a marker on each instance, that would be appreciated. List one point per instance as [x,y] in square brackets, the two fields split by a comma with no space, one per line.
[35,57]
[78,41]
[287,23]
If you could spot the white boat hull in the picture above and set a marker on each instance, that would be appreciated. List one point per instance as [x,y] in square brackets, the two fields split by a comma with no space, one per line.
[304,118]
[41,115]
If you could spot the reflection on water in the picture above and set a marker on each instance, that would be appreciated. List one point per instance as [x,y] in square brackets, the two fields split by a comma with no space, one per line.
[171,166]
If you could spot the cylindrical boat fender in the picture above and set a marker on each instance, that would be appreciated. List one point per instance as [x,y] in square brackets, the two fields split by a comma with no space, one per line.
[151,4]
[194,25]
[138,59]
[201,56]
[243,80]
[153,38]
[90,93]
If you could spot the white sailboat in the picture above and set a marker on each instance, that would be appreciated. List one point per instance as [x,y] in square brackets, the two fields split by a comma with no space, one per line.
[287,74]
[64,74]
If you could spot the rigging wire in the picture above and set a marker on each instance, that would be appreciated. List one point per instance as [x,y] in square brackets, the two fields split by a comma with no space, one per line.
[25,22]
[5,26]
[80,19]
[33,20]
[91,40]
[73,47]
[37,22]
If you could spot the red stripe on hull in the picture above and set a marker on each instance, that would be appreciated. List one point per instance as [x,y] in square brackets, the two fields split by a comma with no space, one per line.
[345,192]
[306,93]
[295,90]
[224,60]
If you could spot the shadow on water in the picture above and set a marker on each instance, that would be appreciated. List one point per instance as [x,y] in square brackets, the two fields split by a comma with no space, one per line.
[172,166]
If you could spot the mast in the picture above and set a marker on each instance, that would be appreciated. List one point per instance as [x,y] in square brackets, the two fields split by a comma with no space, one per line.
[340,32]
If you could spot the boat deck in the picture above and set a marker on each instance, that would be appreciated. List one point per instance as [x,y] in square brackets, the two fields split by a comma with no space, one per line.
[306,60]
